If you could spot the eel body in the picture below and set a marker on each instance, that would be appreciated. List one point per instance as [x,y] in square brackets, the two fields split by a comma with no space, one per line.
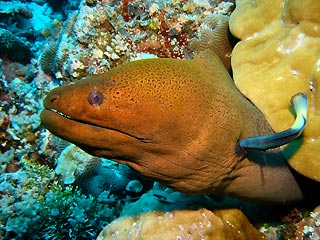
[178,122]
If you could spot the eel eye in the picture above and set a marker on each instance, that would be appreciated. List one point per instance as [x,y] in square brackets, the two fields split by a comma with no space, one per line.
[95,98]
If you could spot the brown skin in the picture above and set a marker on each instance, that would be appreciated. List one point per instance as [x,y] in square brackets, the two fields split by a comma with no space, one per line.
[177,122]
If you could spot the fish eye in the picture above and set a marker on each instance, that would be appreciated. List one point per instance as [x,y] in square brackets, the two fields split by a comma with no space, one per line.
[95,98]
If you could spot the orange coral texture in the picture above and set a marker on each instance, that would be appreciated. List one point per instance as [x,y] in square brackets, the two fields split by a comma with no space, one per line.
[183,224]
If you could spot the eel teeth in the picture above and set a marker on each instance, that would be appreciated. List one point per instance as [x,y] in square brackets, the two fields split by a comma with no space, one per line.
[60,113]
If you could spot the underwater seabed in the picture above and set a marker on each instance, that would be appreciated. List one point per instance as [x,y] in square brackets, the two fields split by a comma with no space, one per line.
[51,189]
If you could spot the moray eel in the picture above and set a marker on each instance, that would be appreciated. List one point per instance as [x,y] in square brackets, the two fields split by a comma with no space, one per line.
[179,122]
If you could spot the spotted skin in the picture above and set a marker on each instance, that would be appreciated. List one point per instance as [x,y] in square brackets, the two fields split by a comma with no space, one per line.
[178,122]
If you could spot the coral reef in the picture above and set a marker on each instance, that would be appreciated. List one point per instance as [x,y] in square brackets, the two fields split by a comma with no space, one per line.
[14,48]
[183,224]
[33,204]
[53,55]
[278,57]
[29,193]
[25,19]
[164,199]
[309,227]
[34,201]
[161,198]
[106,34]
[107,176]
[74,162]
[92,174]
[19,111]
[300,224]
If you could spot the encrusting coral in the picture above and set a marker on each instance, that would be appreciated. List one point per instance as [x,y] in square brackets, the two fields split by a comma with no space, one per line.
[279,56]
[182,224]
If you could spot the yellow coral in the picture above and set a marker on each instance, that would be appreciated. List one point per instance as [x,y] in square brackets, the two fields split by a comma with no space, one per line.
[279,56]
[183,224]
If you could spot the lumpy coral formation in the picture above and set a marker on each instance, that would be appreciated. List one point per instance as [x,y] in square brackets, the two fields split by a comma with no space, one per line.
[279,56]
[182,224]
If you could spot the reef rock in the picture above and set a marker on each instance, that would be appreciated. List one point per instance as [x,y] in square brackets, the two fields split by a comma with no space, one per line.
[279,56]
[13,47]
[309,228]
[183,224]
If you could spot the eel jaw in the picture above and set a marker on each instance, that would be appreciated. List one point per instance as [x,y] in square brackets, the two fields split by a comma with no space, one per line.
[96,140]
[299,104]
[90,124]
[64,126]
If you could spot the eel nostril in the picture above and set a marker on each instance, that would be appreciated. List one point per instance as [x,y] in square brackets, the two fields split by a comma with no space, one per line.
[54,98]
